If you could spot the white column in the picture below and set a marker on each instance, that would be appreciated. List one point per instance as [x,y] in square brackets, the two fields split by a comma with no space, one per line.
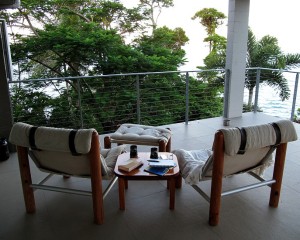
[237,35]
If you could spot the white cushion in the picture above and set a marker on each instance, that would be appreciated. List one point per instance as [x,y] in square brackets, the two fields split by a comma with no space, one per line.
[141,133]
[51,139]
[104,168]
[191,163]
[258,136]
[61,162]
[66,163]
[111,158]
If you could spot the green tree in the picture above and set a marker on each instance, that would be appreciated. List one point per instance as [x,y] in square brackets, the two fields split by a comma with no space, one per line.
[81,38]
[30,105]
[266,53]
[35,14]
[73,37]
[210,18]
[163,49]
[152,10]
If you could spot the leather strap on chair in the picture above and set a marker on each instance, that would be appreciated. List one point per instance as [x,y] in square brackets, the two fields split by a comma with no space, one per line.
[244,138]
[277,142]
[32,138]
[243,141]
[72,143]
[277,132]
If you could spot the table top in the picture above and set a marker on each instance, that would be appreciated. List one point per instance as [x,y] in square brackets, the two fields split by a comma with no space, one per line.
[139,173]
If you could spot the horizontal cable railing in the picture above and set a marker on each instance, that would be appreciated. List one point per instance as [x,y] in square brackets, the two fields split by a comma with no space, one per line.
[104,102]
[274,91]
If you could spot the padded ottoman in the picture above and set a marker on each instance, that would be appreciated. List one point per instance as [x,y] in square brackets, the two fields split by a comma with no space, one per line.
[141,135]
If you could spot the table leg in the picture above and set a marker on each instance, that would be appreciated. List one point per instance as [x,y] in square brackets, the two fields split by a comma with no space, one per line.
[121,182]
[179,181]
[171,183]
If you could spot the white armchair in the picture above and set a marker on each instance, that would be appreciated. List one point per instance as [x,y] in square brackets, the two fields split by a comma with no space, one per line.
[235,151]
[69,153]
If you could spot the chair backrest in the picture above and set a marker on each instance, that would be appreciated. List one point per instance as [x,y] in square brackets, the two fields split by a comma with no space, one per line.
[57,150]
[249,148]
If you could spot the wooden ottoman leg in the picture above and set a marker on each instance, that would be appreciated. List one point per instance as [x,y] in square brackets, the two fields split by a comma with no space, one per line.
[107,142]
[162,146]
[168,147]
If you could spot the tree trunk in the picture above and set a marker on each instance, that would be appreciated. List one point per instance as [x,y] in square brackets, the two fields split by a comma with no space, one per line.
[250,97]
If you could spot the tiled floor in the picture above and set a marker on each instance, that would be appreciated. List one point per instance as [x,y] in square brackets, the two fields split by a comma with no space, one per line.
[147,215]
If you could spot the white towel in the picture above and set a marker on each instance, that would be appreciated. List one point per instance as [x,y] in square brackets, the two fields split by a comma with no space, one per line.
[191,163]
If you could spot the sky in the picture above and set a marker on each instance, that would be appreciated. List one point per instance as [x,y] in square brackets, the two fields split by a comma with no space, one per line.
[280,19]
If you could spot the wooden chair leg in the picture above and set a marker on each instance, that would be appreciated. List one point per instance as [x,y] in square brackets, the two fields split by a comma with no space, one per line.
[217,177]
[96,180]
[277,175]
[26,179]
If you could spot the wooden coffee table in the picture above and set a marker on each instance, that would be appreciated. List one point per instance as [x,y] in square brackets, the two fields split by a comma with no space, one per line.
[172,176]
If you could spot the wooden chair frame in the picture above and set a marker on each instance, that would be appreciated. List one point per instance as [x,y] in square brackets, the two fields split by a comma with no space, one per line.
[217,178]
[96,181]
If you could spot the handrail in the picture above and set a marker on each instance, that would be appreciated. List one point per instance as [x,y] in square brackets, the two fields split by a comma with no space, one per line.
[145,73]
[138,105]
[113,75]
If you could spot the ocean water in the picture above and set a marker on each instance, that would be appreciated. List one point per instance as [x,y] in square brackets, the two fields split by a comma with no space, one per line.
[270,103]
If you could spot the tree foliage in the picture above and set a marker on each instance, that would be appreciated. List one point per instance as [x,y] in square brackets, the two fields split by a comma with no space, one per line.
[211,19]
[163,49]
[262,53]
[152,10]
[266,53]
[74,38]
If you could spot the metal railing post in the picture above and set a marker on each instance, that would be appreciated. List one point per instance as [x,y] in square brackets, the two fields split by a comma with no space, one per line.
[138,100]
[256,90]
[79,103]
[294,97]
[187,98]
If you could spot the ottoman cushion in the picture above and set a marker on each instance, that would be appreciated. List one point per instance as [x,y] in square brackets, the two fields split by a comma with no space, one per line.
[141,133]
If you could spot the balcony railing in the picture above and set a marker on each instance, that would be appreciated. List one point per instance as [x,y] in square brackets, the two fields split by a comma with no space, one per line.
[152,98]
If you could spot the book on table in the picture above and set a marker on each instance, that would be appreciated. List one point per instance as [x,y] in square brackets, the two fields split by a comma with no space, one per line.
[162,163]
[131,164]
[160,171]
